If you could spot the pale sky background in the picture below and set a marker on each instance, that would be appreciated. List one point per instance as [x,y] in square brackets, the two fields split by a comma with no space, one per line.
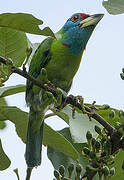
[97,79]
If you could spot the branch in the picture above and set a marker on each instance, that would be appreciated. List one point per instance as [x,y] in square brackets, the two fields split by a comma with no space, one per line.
[26,75]
[67,100]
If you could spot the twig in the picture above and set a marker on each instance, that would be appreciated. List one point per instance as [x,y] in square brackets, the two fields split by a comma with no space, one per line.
[27,76]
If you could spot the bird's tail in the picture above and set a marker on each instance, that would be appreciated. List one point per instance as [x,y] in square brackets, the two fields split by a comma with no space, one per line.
[34,139]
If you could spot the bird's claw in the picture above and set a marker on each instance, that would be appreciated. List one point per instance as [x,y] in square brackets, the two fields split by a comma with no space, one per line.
[80,100]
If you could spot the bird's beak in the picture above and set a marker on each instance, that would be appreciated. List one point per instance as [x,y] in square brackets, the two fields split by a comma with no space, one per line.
[91,20]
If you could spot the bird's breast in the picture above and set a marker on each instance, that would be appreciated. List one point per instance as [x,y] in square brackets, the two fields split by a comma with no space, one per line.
[62,66]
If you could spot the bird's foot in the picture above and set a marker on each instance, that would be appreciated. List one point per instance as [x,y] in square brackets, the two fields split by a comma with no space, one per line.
[80,100]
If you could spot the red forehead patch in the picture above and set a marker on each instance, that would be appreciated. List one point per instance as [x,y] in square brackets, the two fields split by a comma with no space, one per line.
[84,16]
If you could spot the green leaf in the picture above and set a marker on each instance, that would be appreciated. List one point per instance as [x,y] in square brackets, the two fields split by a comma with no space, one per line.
[79,125]
[4,160]
[18,117]
[13,44]
[57,158]
[51,137]
[10,90]
[24,22]
[114,6]
[58,142]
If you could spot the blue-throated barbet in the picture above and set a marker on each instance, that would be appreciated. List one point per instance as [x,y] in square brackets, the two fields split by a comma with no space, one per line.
[61,57]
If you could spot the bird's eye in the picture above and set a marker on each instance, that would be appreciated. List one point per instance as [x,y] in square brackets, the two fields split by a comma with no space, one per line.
[75,18]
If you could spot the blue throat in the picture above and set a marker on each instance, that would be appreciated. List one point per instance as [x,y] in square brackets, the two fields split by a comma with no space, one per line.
[76,38]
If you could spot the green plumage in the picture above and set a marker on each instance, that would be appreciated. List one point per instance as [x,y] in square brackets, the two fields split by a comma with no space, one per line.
[40,59]
[61,58]
[52,55]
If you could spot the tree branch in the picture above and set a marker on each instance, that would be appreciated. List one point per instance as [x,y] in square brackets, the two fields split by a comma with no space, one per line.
[67,100]
[27,76]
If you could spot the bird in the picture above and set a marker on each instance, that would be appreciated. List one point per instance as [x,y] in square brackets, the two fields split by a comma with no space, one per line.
[60,57]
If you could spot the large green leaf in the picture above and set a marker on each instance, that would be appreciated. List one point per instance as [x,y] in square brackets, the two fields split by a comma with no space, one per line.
[4,160]
[16,116]
[13,44]
[114,6]
[58,158]
[51,137]
[59,142]
[10,90]
[24,22]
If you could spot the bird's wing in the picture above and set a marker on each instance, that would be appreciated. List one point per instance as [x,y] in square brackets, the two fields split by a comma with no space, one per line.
[40,58]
